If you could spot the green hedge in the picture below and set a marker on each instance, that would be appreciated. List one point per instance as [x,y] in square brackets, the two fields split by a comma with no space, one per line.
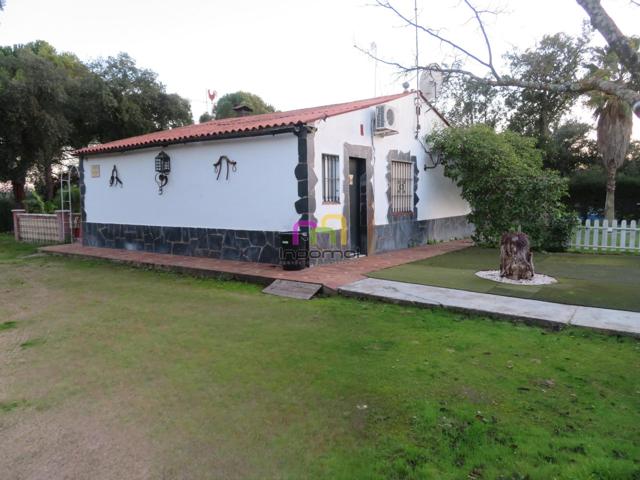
[587,191]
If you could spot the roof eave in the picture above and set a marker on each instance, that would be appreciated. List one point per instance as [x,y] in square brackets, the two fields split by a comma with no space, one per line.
[84,152]
[435,110]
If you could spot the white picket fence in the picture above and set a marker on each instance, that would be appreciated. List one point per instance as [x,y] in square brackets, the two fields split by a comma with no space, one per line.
[615,237]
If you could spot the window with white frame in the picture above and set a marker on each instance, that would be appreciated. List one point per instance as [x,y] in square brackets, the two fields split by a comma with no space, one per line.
[330,178]
[401,187]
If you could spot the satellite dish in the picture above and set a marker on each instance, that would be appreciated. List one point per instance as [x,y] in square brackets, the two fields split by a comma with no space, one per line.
[431,83]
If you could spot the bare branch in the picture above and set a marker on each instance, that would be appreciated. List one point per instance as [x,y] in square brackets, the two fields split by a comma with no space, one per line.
[436,35]
[397,65]
[585,85]
[589,84]
[476,13]
[618,42]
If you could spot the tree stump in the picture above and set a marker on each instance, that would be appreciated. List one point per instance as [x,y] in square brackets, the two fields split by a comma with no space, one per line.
[516,259]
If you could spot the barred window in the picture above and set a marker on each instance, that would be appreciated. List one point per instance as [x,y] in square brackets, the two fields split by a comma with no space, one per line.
[330,178]
[401,187]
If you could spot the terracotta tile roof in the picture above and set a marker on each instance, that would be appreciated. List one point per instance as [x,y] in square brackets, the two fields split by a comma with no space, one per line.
[230,126]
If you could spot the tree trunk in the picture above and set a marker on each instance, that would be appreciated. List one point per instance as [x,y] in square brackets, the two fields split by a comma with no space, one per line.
[516,259]
[48,181]
[610,201]
[18,192]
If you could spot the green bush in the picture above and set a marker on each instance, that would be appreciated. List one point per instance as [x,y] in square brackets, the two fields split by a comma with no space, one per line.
[6,217]
[502,177]
[34,203]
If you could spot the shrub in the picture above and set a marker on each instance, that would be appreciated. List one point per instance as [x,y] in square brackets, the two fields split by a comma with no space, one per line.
[502,177]
[34,203]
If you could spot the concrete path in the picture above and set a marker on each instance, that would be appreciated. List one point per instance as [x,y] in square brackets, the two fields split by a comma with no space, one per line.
[530,311]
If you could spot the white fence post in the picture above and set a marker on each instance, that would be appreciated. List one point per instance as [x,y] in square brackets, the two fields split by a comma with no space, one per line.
[620,236]
[16,222]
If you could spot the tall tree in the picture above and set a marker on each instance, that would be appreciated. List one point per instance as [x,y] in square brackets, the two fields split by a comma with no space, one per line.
[570,148]
[614,135]
[620,43]
[205,117]
[625,47]
[614,118]
[50,101]
[555,59]
[466,102]
[33,124]
[225,106]
[134,101]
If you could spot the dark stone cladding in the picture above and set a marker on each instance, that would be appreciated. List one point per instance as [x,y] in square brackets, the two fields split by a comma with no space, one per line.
[410,233]
[243,245]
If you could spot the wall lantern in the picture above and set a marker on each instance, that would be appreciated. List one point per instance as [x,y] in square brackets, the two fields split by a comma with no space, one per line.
[163,168]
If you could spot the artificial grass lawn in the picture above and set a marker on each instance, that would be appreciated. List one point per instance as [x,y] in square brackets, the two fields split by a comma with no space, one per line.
[225,381]
[606,281]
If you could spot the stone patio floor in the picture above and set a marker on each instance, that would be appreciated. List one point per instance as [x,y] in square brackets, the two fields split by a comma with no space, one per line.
[331,276]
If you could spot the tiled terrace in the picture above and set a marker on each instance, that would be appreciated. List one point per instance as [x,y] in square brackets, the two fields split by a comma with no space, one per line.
[330,276]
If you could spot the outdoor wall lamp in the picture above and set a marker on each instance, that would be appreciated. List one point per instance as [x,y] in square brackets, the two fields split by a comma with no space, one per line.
[163,168]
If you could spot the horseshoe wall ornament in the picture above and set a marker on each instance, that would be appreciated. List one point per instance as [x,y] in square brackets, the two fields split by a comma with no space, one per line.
[217,166]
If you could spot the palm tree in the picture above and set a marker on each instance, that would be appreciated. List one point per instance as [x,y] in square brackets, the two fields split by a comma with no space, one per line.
[615,119]
[614,135]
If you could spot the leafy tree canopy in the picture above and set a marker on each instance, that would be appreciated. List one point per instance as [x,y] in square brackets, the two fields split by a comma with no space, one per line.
[224,107]
[132,101]
[502,177]
[51,101]
[555,59]
[205,117]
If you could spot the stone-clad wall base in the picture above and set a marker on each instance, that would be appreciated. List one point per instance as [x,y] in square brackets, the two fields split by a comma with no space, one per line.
[410,233]
[328,248]
[244,245]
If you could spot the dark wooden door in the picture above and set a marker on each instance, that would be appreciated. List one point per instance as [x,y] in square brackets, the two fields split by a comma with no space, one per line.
[357,220]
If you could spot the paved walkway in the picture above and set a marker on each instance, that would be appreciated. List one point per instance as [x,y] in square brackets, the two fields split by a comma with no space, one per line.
[531,311]
[330,276]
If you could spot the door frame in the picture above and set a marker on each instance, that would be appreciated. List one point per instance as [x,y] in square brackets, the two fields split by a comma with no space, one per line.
[356,224]
[366,153]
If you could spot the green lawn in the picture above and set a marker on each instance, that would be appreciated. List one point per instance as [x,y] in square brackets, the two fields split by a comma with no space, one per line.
[606,281]
[112,372]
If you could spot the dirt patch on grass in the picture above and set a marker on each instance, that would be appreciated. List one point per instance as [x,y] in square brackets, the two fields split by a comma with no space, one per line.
[68,444]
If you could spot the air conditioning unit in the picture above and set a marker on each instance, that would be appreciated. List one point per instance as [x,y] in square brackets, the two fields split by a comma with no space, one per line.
[385,120]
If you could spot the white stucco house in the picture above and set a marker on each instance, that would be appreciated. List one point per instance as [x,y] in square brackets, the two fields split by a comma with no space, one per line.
[356,175]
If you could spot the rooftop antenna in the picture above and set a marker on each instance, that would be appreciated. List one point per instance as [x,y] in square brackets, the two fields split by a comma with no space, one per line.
[415,11]
[374,49]
[417,98]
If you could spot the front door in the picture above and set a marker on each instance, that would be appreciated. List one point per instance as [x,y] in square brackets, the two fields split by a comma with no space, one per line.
[357,205]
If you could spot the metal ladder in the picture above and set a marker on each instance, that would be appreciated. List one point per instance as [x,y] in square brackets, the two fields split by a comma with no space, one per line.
[66,203]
